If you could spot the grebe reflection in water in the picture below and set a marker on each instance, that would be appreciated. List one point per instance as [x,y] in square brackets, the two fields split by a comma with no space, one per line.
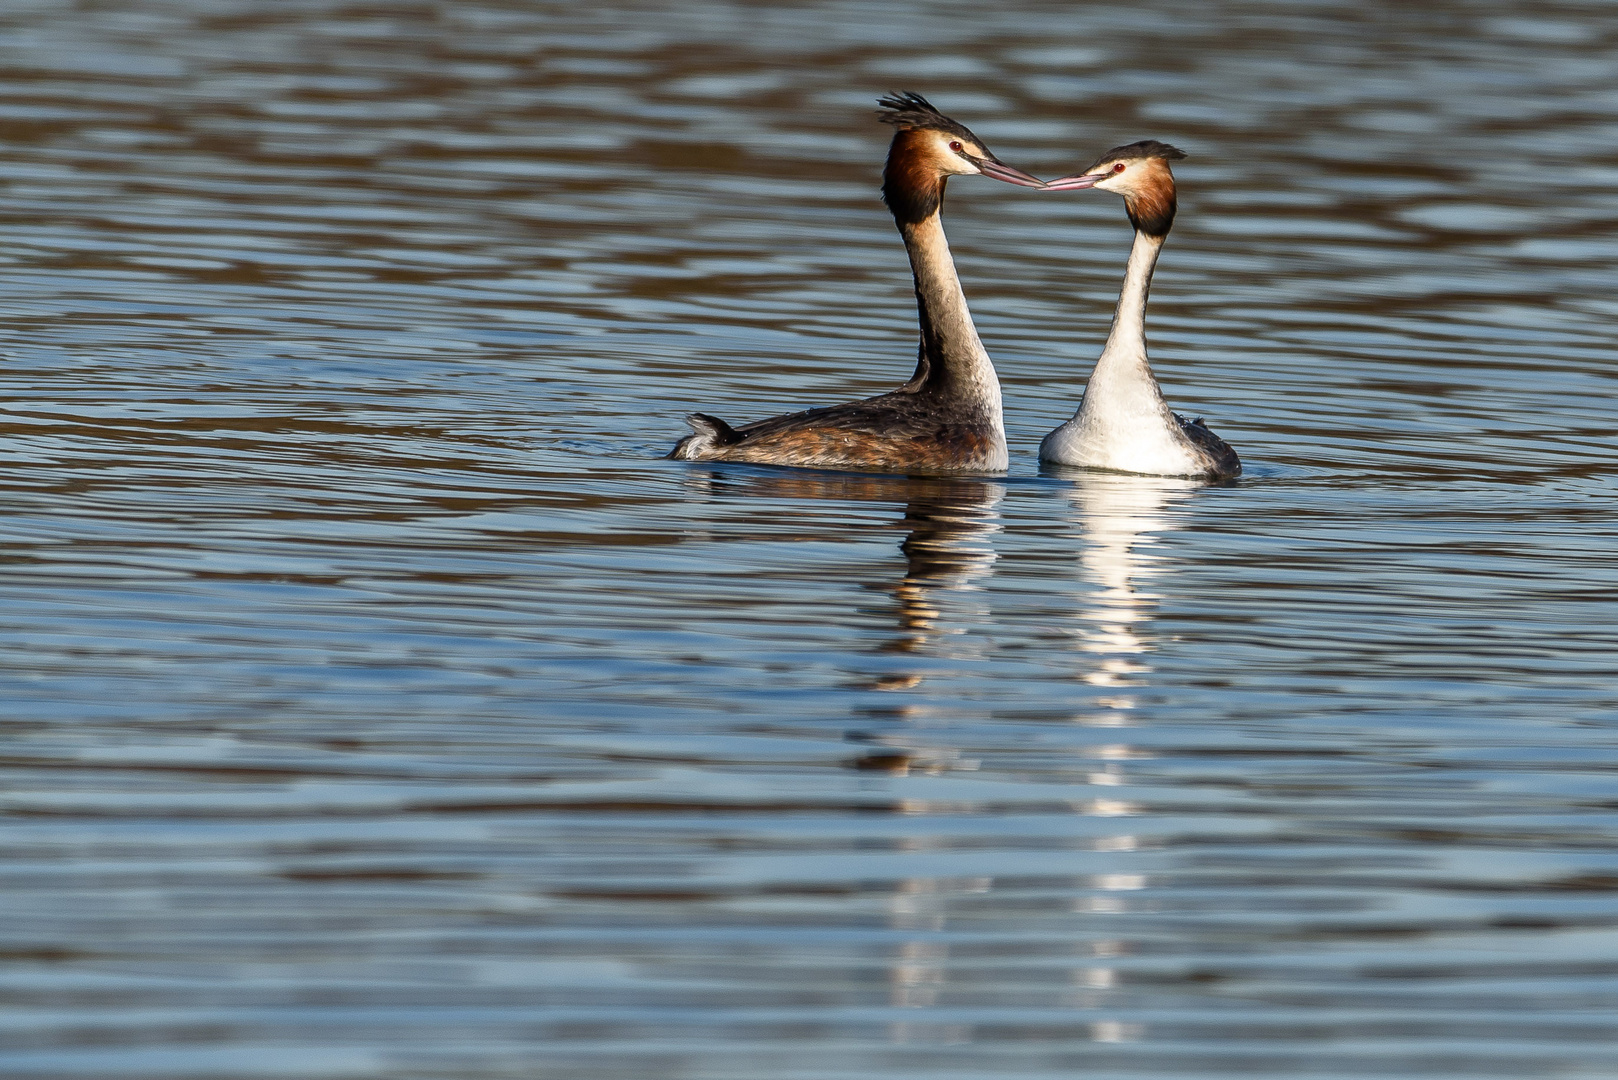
[1120,517]
[948,524]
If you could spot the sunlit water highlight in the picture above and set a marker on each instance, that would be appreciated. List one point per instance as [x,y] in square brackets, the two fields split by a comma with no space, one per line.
[378,703]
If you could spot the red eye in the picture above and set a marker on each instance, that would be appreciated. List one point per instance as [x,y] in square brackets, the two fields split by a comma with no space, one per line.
[955,146]
[1118,167]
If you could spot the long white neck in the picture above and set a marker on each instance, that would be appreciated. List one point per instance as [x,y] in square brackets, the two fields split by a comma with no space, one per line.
[953,361]
[1123,422]
[1123,365]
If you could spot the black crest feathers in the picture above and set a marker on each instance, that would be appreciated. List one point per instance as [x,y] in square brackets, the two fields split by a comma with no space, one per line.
[912,186]
[912,112]
[1146,148]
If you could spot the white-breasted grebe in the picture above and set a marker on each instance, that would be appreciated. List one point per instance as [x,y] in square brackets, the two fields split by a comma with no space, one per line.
[947,418]
[1123,422]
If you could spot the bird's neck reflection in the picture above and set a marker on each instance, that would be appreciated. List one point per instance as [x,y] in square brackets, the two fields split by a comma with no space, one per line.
[947,548]
[1119,518]
[948,524]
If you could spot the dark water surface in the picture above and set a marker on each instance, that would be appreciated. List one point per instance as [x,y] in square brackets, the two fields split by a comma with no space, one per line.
[377,704]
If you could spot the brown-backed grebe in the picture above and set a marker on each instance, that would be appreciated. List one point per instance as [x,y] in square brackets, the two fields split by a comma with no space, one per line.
[1123,422]
[947,418]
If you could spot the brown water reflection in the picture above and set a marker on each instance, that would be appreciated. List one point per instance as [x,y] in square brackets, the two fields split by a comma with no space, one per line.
[377,703]
[948,526]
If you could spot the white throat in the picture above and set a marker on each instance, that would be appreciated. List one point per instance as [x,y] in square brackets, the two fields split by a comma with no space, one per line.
[1123,421]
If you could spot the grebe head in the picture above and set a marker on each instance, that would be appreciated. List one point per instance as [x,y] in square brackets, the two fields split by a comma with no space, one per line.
[1140,173]
[931,141]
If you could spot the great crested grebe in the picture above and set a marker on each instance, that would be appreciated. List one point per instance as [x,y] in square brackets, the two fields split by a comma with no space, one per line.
[947,418]
[1123,422]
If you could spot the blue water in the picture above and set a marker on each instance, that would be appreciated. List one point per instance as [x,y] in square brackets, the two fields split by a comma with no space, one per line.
[378,703]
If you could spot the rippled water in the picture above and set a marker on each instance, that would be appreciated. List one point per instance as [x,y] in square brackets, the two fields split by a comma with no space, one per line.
[378,703]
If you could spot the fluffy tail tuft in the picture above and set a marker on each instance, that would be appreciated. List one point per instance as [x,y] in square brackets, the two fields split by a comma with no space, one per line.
[711,433]
[713,428]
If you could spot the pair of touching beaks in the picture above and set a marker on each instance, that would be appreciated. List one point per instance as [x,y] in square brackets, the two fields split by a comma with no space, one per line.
[999,170]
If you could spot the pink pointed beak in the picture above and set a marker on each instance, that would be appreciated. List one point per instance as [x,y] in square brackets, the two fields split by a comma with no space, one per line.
[1001,171]
[1076,182]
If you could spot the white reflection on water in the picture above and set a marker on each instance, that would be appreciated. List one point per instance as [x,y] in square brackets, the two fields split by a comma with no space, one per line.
[1119,518]
[919,969]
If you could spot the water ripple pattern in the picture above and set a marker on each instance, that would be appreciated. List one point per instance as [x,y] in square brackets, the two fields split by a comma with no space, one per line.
[378,704]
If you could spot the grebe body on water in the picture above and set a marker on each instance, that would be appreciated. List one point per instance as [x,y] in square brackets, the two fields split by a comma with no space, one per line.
[947,418]
[1123,422]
